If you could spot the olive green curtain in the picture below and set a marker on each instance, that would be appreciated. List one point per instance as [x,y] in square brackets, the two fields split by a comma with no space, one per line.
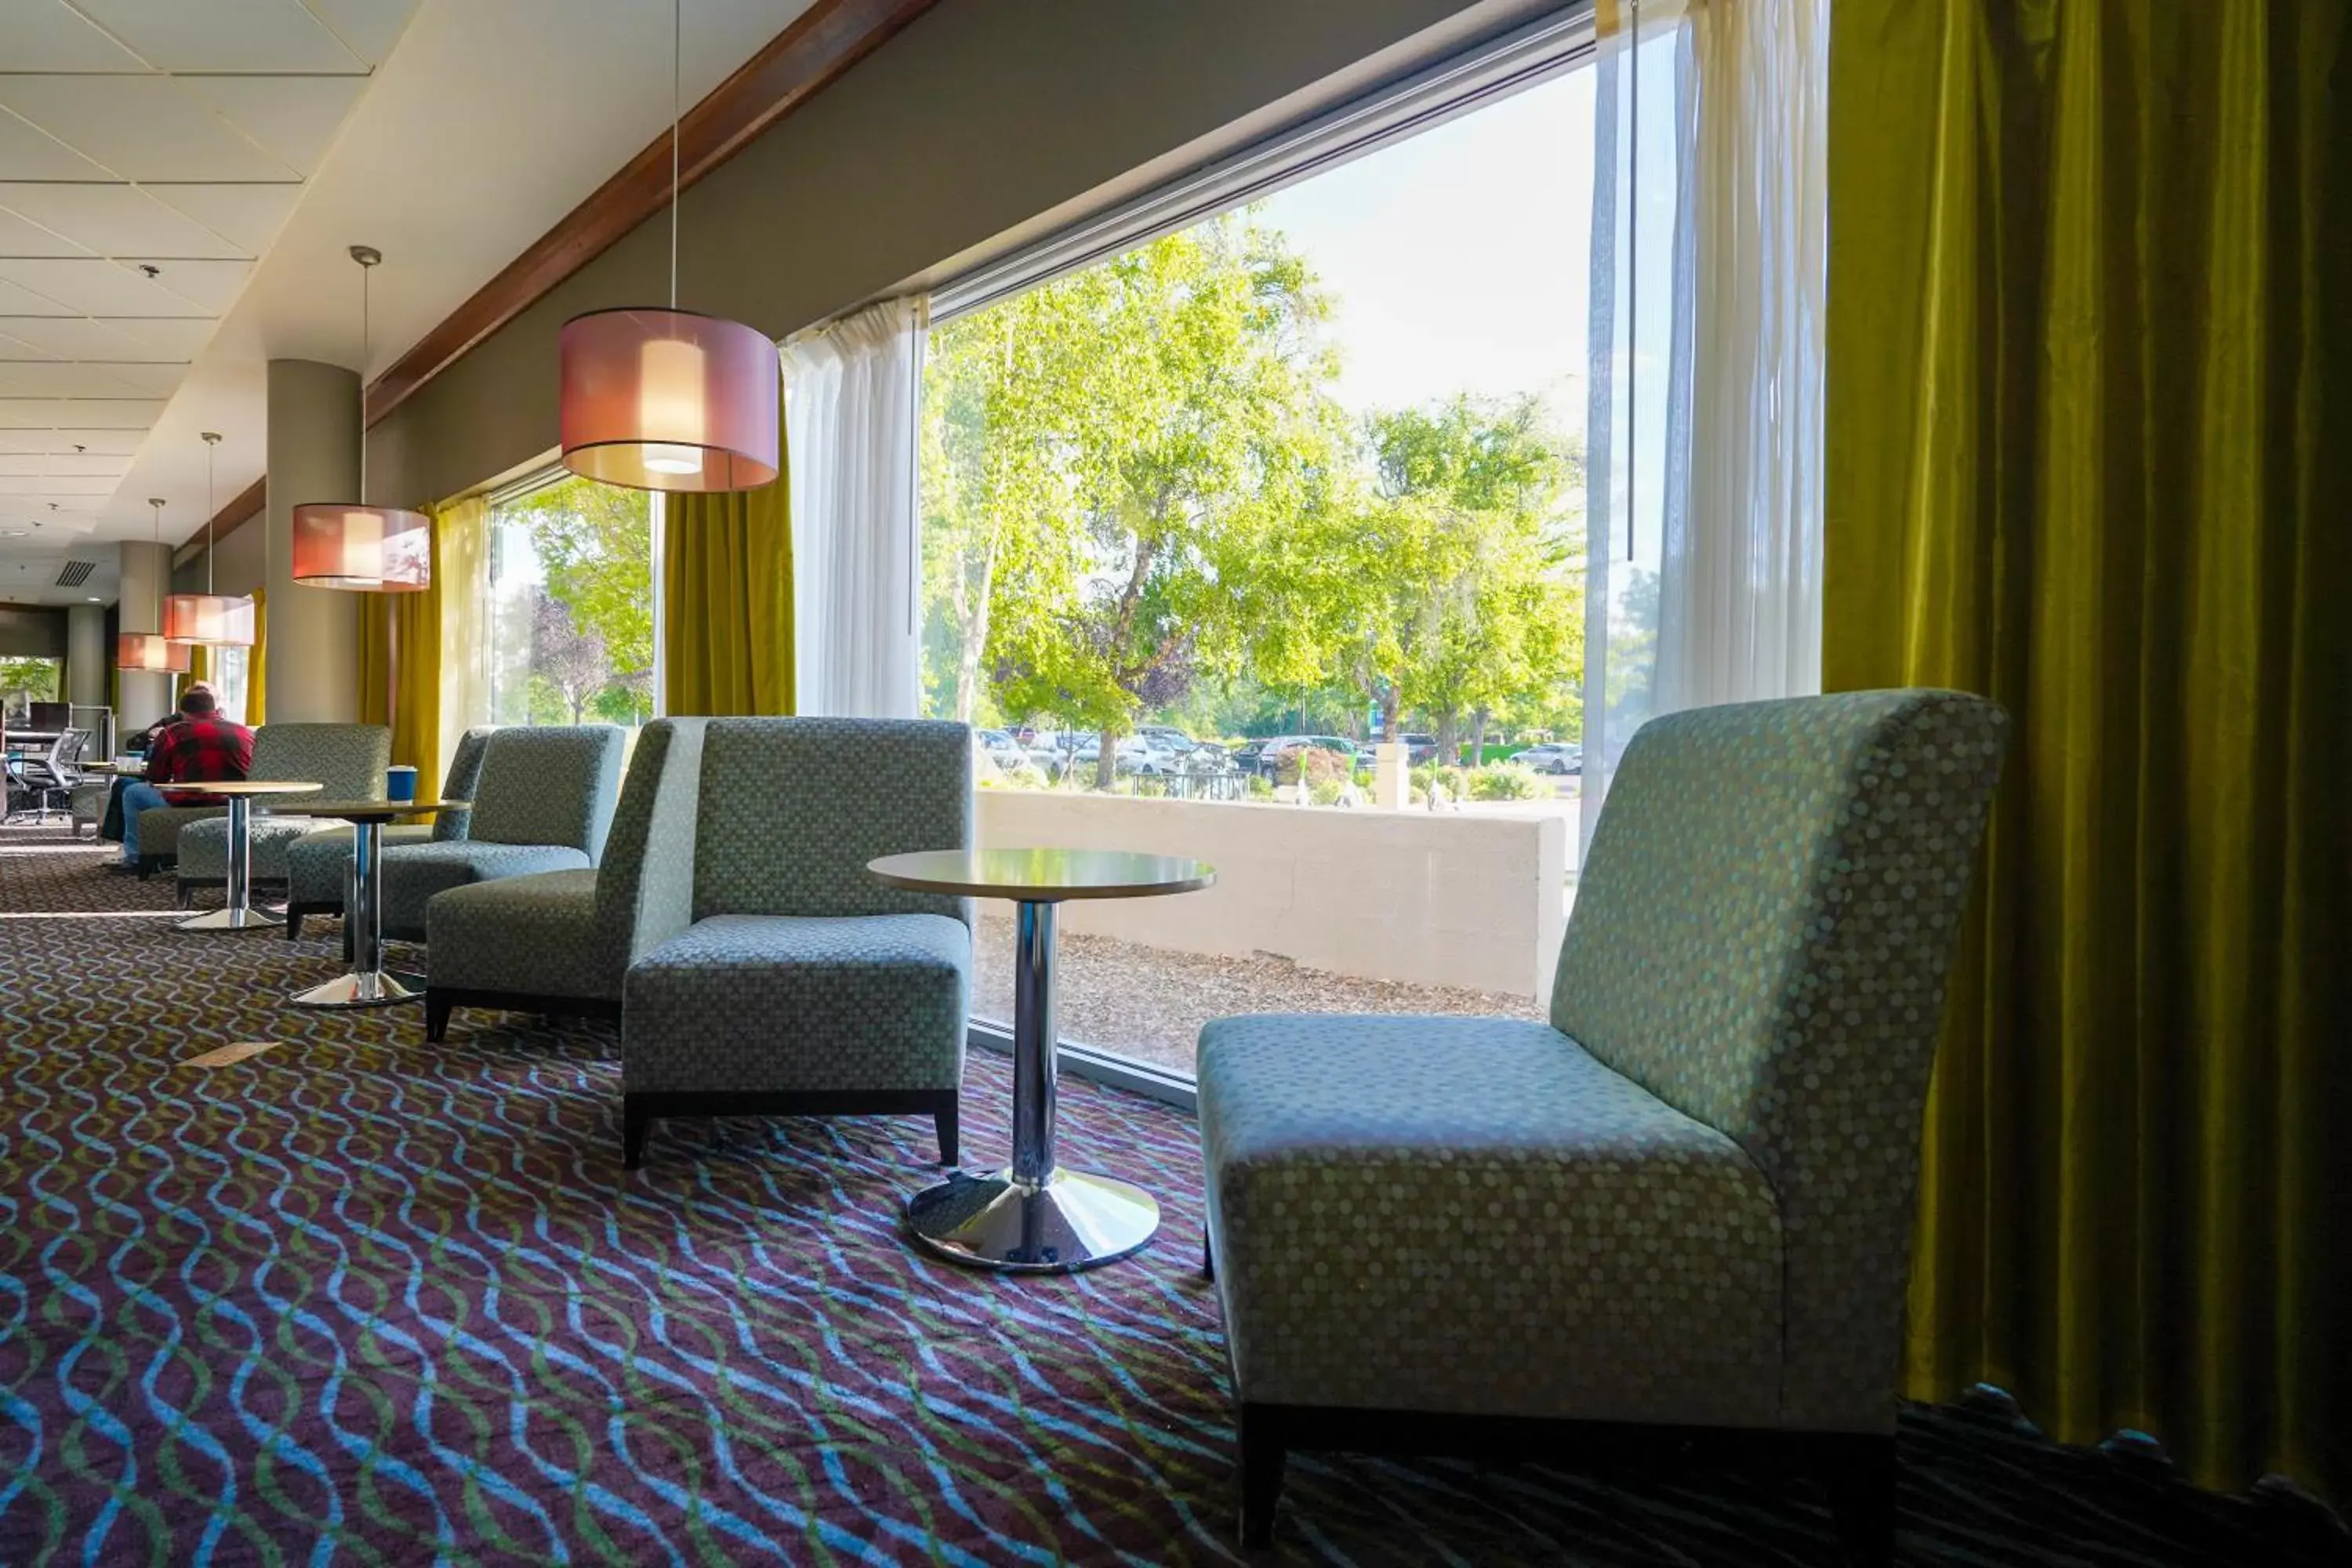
[2089,421]
[257,663]
[200,668]
[727,600]
[400,675]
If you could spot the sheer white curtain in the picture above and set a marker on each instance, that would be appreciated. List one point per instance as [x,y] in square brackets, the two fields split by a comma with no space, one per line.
[1703,431]
[850,400]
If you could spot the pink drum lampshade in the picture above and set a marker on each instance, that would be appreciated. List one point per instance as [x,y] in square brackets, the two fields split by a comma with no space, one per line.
[210,620]
[151,653]
[372,549]
[669,400]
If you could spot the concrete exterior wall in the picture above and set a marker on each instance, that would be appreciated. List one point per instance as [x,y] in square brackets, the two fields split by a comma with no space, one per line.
[314,456]
[983,121]
[1435,899]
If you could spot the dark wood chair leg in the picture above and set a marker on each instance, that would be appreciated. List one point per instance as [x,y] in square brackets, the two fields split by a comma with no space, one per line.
[183,894]
[945,1122]
[635,1125]
[1262,1461]
[293,923]
[1858,1470]
[1208,1256]
[437,1008]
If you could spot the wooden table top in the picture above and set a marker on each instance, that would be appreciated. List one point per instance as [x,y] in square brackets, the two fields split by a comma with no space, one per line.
[235,786]
[1042,875]
[360,810]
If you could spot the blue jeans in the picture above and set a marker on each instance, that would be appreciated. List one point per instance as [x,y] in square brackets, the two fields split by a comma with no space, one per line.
[138,795]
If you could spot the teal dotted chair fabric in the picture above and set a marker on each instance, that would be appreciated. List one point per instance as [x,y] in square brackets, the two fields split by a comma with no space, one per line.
[1689,1200]
[318,862]
[801,972]
[573,933]
[346,759]
[544,803]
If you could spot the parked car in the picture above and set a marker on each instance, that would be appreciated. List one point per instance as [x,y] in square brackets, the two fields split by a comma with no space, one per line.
[1250,755]
[1551,757]
[1002,748]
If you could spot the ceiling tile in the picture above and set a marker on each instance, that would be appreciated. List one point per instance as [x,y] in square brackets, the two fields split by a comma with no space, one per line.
[78,337]
[112,289]
[50,486]
[248,217]
[224,35]
[211,286]
[294,117]
[44,36]
[20,237]
[123,443]
[90,413]
[21,463]
[162,338]
[114,220]
[27,154]
[20,301]
[139,127]
[61,378]
[369,28]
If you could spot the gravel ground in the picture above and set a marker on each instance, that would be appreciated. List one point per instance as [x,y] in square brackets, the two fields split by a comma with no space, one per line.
[1149,1003]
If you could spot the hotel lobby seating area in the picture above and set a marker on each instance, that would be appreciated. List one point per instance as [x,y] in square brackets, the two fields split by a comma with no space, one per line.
[931,781]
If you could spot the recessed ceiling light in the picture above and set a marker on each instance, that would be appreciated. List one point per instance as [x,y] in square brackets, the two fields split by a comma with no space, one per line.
[96,600]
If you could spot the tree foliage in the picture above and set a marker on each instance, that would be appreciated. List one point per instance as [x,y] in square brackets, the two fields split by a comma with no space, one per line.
[1141,497]
[592,626]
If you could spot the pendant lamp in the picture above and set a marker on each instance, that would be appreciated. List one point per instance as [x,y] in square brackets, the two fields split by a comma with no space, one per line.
[351,544]
[656,398]
[150,653]
[208,619]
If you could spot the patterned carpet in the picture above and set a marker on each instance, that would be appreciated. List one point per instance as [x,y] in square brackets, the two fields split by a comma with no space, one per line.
[360,1298]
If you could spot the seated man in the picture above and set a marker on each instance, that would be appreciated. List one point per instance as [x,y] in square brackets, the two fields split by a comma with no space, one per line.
[196,746]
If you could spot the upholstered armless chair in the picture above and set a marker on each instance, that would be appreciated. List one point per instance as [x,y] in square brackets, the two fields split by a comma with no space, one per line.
[561,941]
[319,863]
[1684,1207]
[544,803]
[805,986]
[346,759]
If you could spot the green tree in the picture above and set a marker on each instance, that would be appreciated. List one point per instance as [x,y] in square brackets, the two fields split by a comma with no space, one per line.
[1114,461]
[594,543]
[36,678]
[1466,564]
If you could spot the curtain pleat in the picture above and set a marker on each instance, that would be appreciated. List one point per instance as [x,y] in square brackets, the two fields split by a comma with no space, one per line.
[727,600]
[400,669]
[461,578]
[2090,399]
[257,663]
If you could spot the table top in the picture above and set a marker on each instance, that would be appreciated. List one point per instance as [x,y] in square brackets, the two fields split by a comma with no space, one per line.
[235,786]
[1042,875]
[360,810]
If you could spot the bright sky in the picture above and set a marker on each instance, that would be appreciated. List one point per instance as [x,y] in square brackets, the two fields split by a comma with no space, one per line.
[1459,256]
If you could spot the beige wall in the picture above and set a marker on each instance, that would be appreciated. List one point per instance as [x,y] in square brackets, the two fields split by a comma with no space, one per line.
[1433,898]
[979,118]
[314,456]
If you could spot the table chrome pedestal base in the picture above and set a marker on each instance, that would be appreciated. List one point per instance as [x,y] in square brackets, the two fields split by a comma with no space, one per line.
[1070,1221]
[252,918]
[381,988]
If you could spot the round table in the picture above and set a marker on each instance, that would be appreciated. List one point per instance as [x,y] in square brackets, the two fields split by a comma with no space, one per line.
[369,984]
[1033,1216]
[236,911]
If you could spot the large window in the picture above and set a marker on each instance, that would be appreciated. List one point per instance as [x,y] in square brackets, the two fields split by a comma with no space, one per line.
[571,609]
[1207,522]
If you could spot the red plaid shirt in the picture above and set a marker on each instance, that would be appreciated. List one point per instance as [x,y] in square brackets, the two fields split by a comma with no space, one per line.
[207,748]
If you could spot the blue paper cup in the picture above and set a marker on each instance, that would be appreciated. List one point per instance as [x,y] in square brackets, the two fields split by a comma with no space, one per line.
[400,783]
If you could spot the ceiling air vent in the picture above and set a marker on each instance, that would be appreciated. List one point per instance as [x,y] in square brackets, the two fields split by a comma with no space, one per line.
[75,572]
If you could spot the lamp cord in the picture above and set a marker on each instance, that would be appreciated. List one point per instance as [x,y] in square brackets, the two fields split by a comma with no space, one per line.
[365,270]
[676,49]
